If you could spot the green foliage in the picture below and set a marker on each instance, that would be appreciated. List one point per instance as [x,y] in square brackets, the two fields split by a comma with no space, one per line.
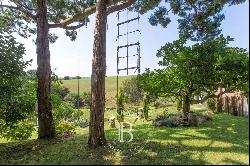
[61,91]
[196,69]
[22,130]
[167,119]
[211,104]
[131,90]
[161,102]
[84,99]
[61,109]
[145,105]
[57,10]
[209,115]
[120,101]
[65,128]
[179,103]
[17,91]
[198,20]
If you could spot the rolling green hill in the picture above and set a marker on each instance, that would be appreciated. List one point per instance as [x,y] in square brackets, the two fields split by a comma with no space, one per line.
[84,86]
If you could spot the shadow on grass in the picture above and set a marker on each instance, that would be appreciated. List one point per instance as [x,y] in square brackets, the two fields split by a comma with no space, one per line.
[215,142]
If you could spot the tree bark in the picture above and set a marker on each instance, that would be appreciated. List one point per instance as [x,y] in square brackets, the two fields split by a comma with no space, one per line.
[96,125]
[219,103]
[186,105]
[45,118]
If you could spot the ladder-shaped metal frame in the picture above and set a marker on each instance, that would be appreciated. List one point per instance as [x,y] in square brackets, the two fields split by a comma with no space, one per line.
[127,46]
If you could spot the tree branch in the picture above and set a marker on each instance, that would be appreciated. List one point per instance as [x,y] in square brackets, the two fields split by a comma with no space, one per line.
[210,96]
[83,14]
[73,27]
[26,12]
[17,2]
[124,5]
[193,6]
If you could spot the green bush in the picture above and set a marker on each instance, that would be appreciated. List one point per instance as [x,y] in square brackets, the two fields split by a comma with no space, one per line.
[145,106]
[166,115]
[162,102]
[167,120]
[131,111]
[73,100]
[22,130]
[65,128]
[179,104]
[208,115]
[211,104]
[132,91]
[86,97]
[84,100]
[61,91]
[17,91]
[120,101]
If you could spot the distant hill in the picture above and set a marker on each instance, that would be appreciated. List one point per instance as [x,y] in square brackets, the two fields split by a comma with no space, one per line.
[84,86]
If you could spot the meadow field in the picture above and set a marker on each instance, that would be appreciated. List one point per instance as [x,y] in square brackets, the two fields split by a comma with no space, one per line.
[84,86]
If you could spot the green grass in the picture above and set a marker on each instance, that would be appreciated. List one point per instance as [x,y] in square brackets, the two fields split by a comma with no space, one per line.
[224,140]
[84,86]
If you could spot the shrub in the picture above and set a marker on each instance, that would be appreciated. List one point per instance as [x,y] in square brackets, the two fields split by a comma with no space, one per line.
[145,106]
[62,92]
[22,130]
[86,97]
[65,128]
[131,111]
[17,91]
[194,119]
[175,119]
[162,102]
[179,104]
[211,104]
[120,101]
[208,115]
[72,99]
[167,120]
[62,110]
[131,90]
[84,100]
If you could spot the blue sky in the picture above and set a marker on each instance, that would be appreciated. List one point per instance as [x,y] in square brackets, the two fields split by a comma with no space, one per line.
[71,58]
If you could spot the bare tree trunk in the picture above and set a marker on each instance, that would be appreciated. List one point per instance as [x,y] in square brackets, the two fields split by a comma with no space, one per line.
[186,105]
[96,125]
[219,103]
[45,118]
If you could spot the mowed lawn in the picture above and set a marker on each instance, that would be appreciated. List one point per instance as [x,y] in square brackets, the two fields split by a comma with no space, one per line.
[84,86]
[224,140]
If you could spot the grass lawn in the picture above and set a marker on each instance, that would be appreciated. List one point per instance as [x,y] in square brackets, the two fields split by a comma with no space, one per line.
[224,140]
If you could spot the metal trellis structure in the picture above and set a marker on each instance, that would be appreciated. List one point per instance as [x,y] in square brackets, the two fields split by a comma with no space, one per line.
[121,56]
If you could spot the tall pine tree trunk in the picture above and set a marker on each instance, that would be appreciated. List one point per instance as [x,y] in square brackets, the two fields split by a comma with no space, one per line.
[96,126]
[45,118]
